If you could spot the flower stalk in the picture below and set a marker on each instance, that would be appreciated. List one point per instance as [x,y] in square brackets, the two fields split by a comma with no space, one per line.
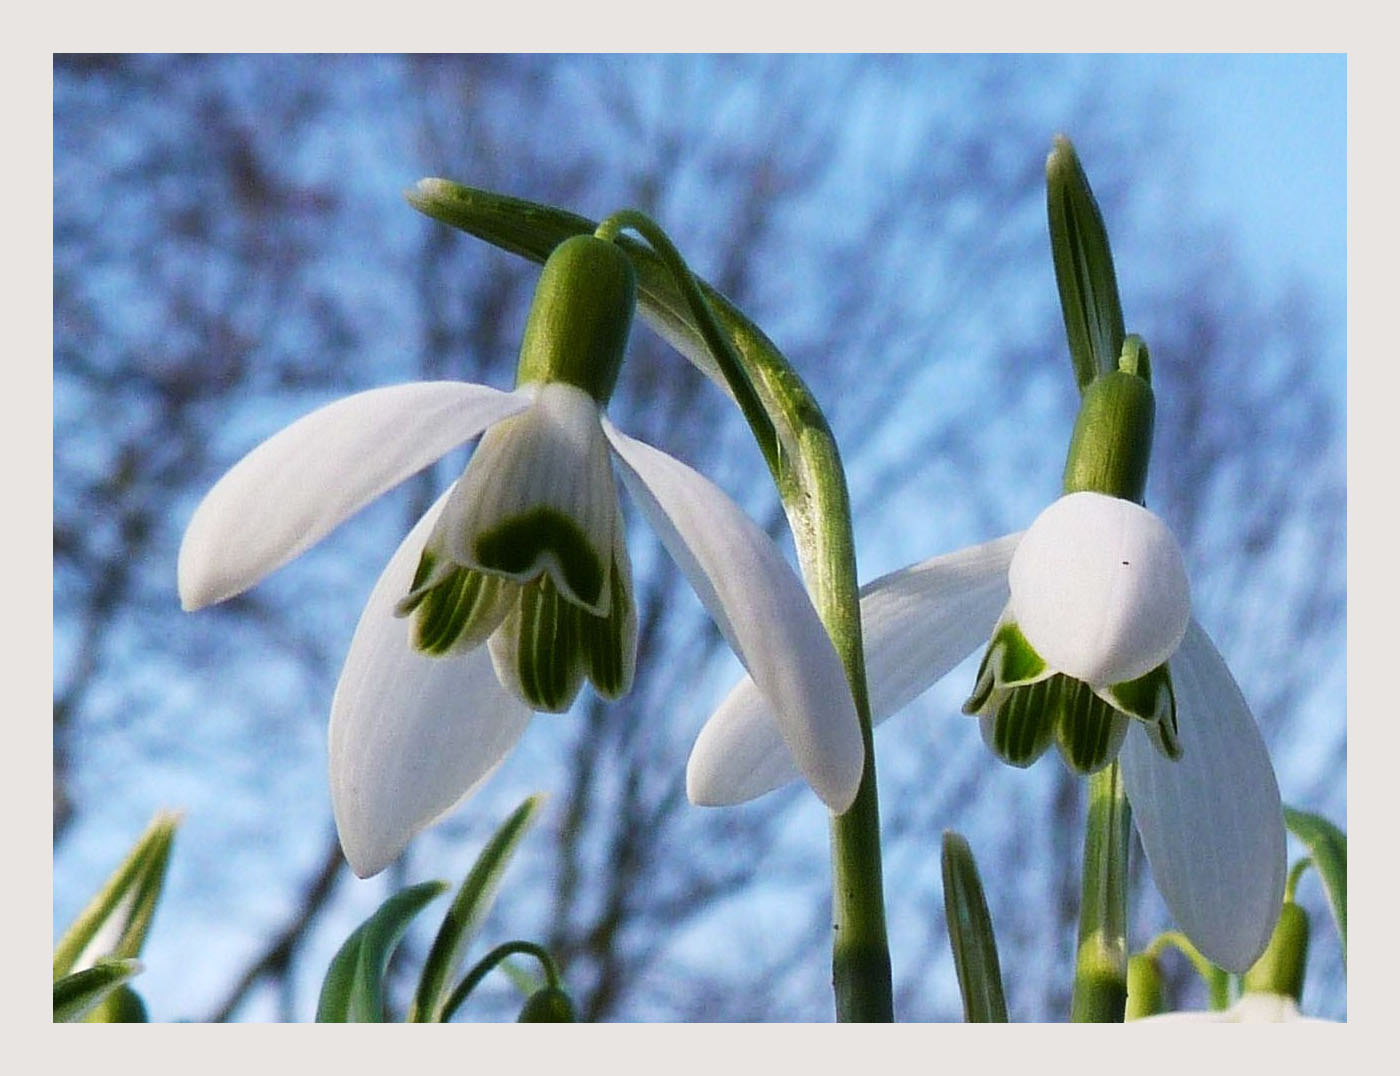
[805,463]
[1216,979]
[1101,961]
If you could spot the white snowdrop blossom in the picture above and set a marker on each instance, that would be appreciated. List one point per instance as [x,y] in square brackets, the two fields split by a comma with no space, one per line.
[1093,647]
[526,553]
[1256,1007]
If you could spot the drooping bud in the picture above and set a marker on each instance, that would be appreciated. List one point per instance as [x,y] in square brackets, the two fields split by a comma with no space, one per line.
[549,1005]
[581,317]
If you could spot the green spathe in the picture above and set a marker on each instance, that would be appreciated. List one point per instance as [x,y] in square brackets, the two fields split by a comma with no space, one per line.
[1083,266]
[581,317]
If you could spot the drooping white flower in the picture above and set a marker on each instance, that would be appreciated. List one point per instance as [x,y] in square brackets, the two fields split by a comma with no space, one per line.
[1253,1008]
[1100,587]
[526,553]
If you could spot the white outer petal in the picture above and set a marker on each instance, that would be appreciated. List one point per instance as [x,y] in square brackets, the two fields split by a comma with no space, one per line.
[917,625]
[1253,1008]
[761,609]
[1098,587]
[298,485]
[411,736]
[1211,822]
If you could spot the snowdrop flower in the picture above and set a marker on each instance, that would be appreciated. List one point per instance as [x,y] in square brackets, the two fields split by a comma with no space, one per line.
[1251,1008]
[525,553]
[1092,648]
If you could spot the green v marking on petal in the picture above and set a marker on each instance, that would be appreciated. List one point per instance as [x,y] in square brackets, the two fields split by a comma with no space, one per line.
[1089,731]
[610,641]
[517,544]
[1151,699]
[548,661]
[1010,661]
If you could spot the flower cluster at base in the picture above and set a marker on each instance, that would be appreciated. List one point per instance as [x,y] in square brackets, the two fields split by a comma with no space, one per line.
[1059,600]
[526,553]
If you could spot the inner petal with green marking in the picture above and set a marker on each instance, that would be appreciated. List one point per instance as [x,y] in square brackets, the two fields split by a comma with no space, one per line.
[1021,722]
[1010,661]
[547,645]
[538,498]
[1024,706]
[1151,700]
[454,608]
[544,539]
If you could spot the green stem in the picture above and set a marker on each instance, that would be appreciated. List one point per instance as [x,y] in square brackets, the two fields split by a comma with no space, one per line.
[806,466]
[1216,979]
[1290,887]
[754,414]
[1101,963]
[486,964]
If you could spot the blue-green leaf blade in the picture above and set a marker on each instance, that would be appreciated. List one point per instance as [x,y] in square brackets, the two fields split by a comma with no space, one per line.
[353,990]
[76,995]
[119,916]
[473,902]
[970,931]
[1327,845]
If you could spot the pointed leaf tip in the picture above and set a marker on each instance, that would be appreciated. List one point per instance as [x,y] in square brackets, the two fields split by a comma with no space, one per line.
[473,902]
[353,990]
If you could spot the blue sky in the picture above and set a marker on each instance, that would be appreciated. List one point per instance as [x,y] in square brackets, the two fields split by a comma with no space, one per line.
[1272,155]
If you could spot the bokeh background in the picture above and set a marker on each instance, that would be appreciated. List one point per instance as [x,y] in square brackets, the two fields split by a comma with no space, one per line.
[231,250]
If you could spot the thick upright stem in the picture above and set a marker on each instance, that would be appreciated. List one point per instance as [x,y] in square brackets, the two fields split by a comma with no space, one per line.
[1101,963]
[806,466]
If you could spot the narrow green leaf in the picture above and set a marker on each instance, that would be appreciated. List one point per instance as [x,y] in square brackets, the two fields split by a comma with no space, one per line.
[1327,845]
[970,931]
[119,916]
[76,995]
[1083,267]
[353,990]
[473,902]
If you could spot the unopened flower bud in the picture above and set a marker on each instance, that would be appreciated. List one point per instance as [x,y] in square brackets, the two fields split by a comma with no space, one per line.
[549,1005]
